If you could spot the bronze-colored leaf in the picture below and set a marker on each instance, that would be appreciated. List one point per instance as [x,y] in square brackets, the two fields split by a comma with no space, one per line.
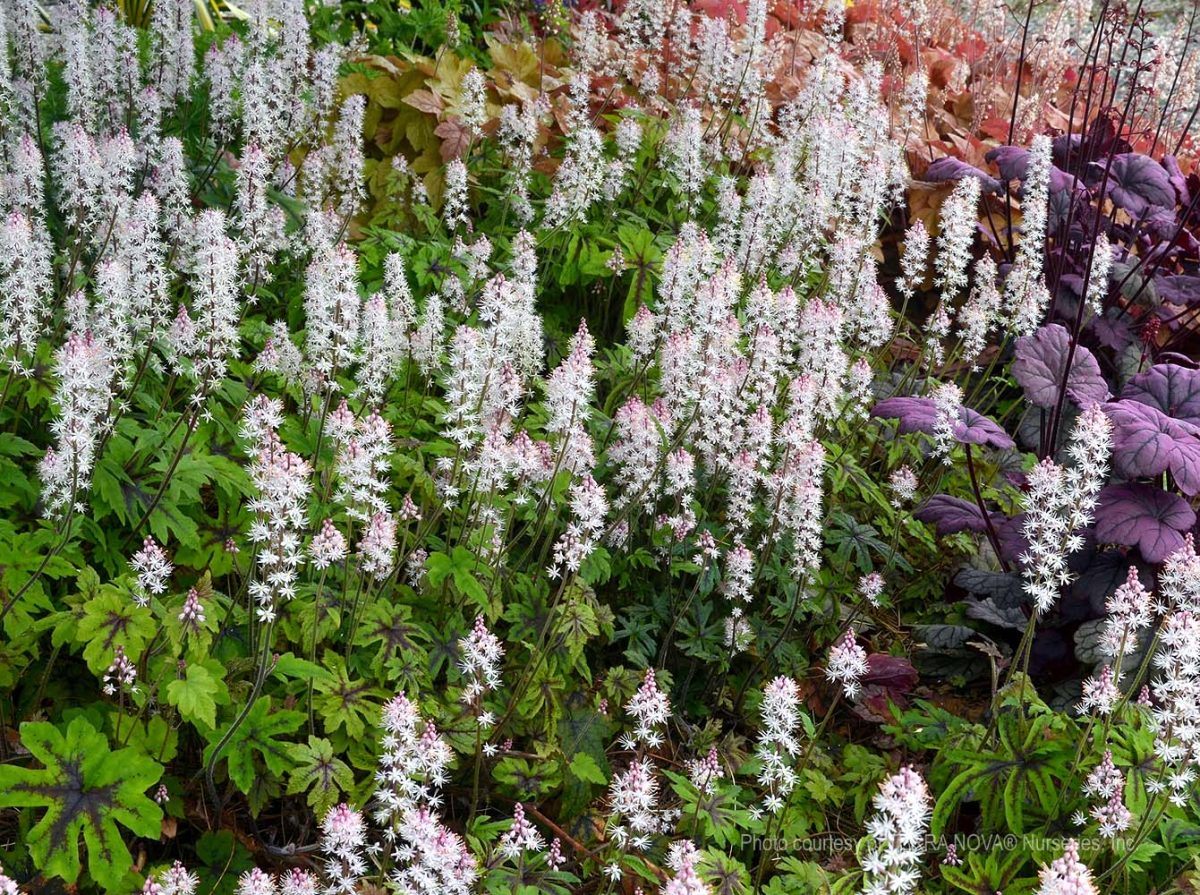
[455,139]
[425,101]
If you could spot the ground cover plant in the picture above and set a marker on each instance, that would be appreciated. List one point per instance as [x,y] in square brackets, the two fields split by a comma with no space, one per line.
[683,448]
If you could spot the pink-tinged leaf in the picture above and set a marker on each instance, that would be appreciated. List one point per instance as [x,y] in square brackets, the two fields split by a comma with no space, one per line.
[1173,389]
[1147,442]
[425,101]
[914,414]
[952,169]
[920,415]
[951,514]
[1042,362]
[1143,516]
[1138,183]
[455,139]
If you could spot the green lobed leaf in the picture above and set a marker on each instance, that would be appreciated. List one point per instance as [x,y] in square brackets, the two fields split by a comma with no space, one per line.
[88,792]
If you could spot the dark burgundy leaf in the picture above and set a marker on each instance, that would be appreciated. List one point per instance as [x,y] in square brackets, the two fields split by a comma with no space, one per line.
[1042,362]
[950,168]
[895,673]
[1072,283]
[946,640]
[1143,516]
[1137,183]
[951,514]
[1173,389]
[975,428]
[1064,189]
[1147,442]
[915,414]
[1179,289]
[1160,223]
[1013,162]
[1073,152]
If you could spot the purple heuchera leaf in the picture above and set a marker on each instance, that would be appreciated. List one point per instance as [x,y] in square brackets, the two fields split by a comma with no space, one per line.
[1145,517]
[1147,442]
[1137,183]
[1113,331]
[920,415]
[1072,152]
[1042,360]
[1062,183]
[1177,179]
[1173,389]
[1179,289]
[1013,161]
[951,514]
[1011,532]
[975,428]
[950,168]
[915,414]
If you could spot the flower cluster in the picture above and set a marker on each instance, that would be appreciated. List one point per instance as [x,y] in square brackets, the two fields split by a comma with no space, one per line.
[281,480]
[1062,501]
[153,570]
[480,654]
[427,856]
[777,744]
[650,709]
[1067,875]
[896,832]
[847,664]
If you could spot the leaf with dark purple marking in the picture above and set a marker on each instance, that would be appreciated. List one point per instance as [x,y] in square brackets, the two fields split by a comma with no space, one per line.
[914,414]
[1178,289]
[920,415]
[1113,330]
[1147,442]
[1002,617]
[1173,389]
[951,514]
[1042,361]
[1005,589]
[975,428]
[1143,516]
[1137,183]
[88,793]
